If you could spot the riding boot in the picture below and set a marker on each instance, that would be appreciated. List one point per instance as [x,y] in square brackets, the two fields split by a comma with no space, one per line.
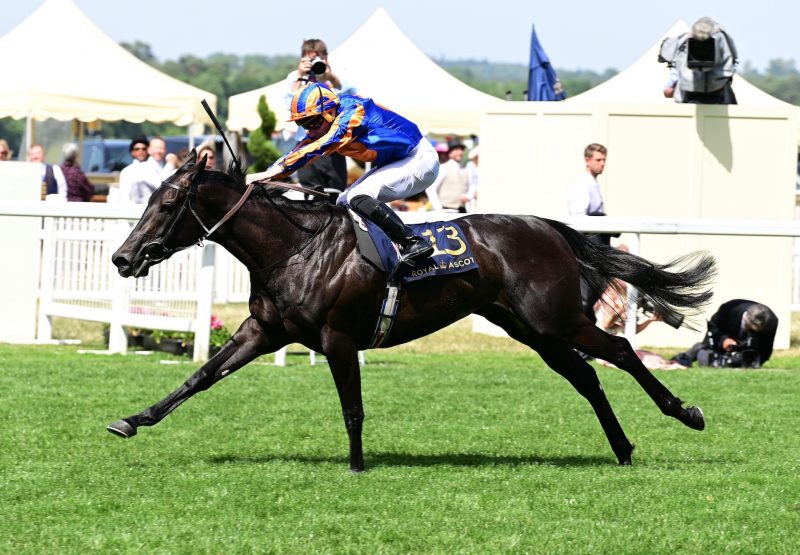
[412,247]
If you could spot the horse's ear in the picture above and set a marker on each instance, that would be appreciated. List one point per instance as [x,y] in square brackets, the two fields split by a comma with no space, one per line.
[191,159]
[202,161]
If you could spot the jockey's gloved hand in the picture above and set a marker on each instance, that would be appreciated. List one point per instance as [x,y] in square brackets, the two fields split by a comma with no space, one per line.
[271,172]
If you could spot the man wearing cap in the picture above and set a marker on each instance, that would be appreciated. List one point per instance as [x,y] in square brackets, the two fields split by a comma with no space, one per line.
[130,173]
[454,182]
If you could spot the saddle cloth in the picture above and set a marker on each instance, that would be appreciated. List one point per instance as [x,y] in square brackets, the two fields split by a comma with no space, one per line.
[452,254]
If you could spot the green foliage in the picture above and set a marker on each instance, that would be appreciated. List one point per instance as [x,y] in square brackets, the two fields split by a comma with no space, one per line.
[260,145]
[12,130]
[781,80]
[466,453]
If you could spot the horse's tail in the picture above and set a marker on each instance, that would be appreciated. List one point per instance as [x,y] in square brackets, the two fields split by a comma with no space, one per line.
[680,286]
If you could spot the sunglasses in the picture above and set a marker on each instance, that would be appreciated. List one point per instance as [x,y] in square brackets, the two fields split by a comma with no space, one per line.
[314,122]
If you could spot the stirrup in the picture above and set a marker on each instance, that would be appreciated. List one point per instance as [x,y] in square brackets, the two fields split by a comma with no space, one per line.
[420,249]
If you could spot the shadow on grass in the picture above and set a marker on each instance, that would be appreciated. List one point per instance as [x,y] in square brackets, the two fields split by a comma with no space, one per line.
[377,460]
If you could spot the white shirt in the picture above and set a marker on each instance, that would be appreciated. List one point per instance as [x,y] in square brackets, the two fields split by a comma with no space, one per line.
[127,178]
[584,196]
[150,176]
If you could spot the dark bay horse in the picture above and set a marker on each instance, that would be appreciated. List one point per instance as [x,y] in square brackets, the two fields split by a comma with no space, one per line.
[309,285]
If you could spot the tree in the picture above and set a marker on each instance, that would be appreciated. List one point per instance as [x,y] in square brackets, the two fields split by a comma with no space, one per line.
[260,145]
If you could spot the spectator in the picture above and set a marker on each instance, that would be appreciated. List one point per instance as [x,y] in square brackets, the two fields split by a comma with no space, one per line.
[472,177]
[5,151]
[129,175]
[702,63]
[453,180]
[78,187]
[742,326]
[329,172]
[210,153]
[158,166]
[431,192]
[585,199]
[52,176]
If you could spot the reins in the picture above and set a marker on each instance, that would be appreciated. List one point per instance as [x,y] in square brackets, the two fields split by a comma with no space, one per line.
[157,250]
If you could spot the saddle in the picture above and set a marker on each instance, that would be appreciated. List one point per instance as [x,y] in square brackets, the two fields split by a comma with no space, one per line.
[452,253]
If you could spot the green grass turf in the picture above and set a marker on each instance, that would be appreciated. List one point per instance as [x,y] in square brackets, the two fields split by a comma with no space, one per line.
[467,452]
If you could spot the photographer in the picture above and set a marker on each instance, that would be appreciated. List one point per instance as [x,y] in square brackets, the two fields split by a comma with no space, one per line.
[329,172]
[702,63]
[740,334]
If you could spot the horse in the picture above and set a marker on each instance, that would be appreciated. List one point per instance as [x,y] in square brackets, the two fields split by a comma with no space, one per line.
[309,285]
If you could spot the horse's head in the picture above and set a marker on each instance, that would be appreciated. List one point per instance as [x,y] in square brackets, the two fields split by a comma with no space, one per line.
[167,225]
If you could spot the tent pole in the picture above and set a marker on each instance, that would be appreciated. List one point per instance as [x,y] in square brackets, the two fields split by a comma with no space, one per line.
[30,129]
[191,136]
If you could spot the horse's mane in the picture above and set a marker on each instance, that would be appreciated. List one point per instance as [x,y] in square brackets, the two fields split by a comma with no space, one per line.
[234,178]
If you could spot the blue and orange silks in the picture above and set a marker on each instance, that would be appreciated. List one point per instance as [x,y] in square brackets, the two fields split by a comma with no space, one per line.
[362,130]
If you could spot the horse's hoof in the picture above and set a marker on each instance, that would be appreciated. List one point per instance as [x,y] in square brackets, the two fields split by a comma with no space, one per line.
[695,418]
[625,462]
[121,428]
[357,471]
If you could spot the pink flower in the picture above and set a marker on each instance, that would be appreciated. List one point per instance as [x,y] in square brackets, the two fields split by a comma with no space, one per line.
[216,323]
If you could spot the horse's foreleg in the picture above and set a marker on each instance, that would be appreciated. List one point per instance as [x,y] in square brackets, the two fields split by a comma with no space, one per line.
[616,350]
[342,357]
[250,341]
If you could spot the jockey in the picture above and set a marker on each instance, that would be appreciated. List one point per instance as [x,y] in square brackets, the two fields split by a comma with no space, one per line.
[404,162]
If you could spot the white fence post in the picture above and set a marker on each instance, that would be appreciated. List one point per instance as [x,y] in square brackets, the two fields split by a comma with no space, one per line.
[44,329]
[205,296]
[120,303]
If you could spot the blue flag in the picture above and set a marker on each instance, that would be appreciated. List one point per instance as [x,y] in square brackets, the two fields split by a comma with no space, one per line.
[542,81]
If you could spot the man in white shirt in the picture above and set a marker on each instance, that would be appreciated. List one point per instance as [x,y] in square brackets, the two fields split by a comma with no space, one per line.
[153,171]
[52,175]
[130,173]
[585,200]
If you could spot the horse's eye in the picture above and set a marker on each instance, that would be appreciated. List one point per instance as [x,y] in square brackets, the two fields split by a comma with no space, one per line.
[166,207]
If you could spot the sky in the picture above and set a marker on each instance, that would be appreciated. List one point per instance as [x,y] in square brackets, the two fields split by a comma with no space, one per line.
[576,34]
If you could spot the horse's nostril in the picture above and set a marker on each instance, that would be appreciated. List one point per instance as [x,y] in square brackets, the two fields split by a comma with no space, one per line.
[120,261]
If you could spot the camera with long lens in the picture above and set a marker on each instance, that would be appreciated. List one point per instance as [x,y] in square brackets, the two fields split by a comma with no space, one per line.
[701,54]
[742,355]
[318,66]
[672,319]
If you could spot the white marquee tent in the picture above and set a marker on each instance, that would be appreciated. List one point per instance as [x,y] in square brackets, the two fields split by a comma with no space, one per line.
[385,65]
[58,64]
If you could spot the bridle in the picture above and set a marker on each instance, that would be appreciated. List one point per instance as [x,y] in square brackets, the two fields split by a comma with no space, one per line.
[157,250]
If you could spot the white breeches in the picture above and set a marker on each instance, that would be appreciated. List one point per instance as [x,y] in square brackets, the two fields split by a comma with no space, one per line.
[398,180]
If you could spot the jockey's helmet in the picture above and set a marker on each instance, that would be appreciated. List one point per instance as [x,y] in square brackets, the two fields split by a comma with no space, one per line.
[313,99]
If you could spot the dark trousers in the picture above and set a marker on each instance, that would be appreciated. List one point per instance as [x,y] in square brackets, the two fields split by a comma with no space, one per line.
[327,172]
[588,296]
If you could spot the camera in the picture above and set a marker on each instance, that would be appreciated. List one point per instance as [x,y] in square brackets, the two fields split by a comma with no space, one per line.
[318,66]
[743,355]
[672,319]
[701,54]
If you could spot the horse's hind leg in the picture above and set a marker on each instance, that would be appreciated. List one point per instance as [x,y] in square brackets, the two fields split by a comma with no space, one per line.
[618,351]
[564,360]
[249,342]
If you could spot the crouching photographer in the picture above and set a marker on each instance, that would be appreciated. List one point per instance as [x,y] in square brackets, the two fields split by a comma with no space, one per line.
[702,63]
[740,335]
